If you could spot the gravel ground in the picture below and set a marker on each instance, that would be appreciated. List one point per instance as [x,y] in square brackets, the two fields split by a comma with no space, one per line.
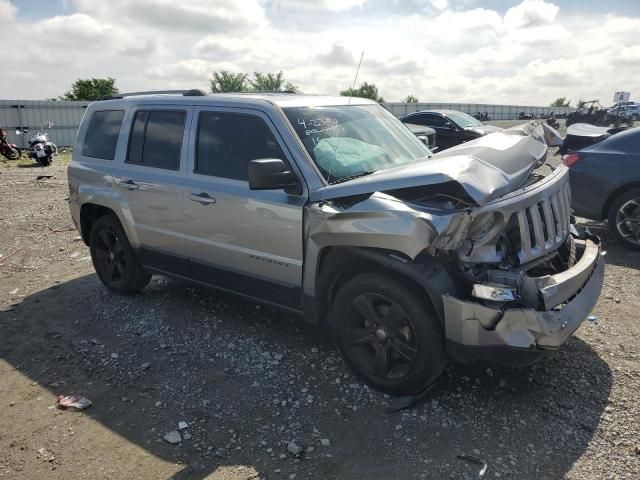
[262,394]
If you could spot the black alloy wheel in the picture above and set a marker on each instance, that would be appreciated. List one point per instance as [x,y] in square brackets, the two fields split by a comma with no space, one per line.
[624,218]
[380,336]
[388,334]
[114,260]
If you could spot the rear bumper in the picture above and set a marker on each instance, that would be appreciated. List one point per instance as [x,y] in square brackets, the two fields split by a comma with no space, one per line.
[565,300]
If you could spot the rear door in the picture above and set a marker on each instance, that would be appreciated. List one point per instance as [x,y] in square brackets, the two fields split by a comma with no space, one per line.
[153,177]
[244,240]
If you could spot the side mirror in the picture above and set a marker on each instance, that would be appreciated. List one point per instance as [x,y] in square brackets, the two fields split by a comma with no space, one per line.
[272,174]
[449,125]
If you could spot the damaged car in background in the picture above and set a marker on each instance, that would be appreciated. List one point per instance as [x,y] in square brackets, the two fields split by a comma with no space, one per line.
[334,209]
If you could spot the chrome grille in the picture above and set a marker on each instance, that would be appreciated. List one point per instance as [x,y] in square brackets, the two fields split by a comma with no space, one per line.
[544,226]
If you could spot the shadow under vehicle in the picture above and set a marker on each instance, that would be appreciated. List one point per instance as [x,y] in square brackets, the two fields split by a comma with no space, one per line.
[62,337]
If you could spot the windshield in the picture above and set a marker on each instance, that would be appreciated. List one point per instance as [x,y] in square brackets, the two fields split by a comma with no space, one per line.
[463,120]
[347,141]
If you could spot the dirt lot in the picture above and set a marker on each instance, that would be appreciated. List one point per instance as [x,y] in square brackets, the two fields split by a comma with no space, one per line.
[249,380]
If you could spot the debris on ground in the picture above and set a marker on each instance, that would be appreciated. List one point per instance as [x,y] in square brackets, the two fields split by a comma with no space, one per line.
[477,461]
[182,425]
[173,437]
[73,402]
[293,448]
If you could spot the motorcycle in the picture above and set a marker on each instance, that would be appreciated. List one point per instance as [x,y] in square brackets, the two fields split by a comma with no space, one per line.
[526,116]
[552,122]
[483,117]
[9,150]
[41,149]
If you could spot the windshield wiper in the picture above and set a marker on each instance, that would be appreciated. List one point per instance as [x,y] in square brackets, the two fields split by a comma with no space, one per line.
[350,177]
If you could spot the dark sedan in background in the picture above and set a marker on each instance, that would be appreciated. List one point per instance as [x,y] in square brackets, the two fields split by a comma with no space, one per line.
[452,127]
[605,180]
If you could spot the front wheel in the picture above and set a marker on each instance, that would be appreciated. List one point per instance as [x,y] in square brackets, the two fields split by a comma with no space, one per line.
[114,259]
[388,334]
[624,218]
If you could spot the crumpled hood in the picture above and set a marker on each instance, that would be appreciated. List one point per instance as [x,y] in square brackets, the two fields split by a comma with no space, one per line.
[487,168]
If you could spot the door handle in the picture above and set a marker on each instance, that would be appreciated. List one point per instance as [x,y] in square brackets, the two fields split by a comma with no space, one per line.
[128,184]
[202,198]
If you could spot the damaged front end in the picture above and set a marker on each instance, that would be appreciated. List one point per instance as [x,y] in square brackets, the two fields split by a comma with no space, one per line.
[520,277]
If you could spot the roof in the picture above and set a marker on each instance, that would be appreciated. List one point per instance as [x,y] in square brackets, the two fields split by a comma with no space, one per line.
[280,99]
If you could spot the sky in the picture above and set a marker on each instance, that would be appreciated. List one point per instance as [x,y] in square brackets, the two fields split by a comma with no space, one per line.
[525,52]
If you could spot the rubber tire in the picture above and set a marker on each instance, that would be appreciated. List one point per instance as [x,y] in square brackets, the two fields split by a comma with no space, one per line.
[432,357]
[613,210]
[136,277]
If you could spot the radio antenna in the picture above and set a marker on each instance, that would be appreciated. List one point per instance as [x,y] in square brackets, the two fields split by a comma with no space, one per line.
[335,151]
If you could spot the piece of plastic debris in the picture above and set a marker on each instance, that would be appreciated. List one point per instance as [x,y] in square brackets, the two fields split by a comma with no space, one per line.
[74,402]
[592,318]
[182,425]
[477,461]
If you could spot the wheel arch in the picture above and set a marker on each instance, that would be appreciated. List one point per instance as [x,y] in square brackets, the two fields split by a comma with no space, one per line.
[336,265]
[89,214]
[615,194]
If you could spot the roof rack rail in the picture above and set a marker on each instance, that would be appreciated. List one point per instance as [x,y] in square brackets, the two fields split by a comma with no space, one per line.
[194,92]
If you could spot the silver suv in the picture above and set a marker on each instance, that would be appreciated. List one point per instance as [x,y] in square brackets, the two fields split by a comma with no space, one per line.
[330,207]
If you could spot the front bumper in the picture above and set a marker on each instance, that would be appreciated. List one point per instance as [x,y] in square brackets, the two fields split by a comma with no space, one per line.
[565,300]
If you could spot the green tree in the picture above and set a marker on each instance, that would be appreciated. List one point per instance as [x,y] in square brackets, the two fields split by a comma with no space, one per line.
[272,82]
[366,90]
[91,89]
[225,81]
[560,102]
[410,99]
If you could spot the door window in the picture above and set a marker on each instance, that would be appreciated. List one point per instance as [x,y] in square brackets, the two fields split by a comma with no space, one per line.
[227,142]
[156,138]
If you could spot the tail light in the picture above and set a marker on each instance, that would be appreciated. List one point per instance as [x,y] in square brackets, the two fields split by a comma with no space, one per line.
[571,159]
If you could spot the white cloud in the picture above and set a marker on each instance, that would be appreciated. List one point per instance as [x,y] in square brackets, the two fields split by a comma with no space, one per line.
[531,13]
[8,10]
[437,50]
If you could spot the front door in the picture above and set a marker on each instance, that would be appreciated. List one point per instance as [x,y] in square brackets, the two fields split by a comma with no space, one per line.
[244,240]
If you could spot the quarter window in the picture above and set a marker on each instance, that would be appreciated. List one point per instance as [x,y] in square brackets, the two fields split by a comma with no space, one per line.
[227,142]
[156,138]
[101,138]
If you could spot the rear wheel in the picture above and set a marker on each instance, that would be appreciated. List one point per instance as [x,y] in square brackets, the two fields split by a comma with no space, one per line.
[624,218]
[114,259]
[387,334]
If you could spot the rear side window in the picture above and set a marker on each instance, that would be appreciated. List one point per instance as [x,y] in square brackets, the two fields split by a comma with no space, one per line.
[227,142]
[156,138]
[101,138]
